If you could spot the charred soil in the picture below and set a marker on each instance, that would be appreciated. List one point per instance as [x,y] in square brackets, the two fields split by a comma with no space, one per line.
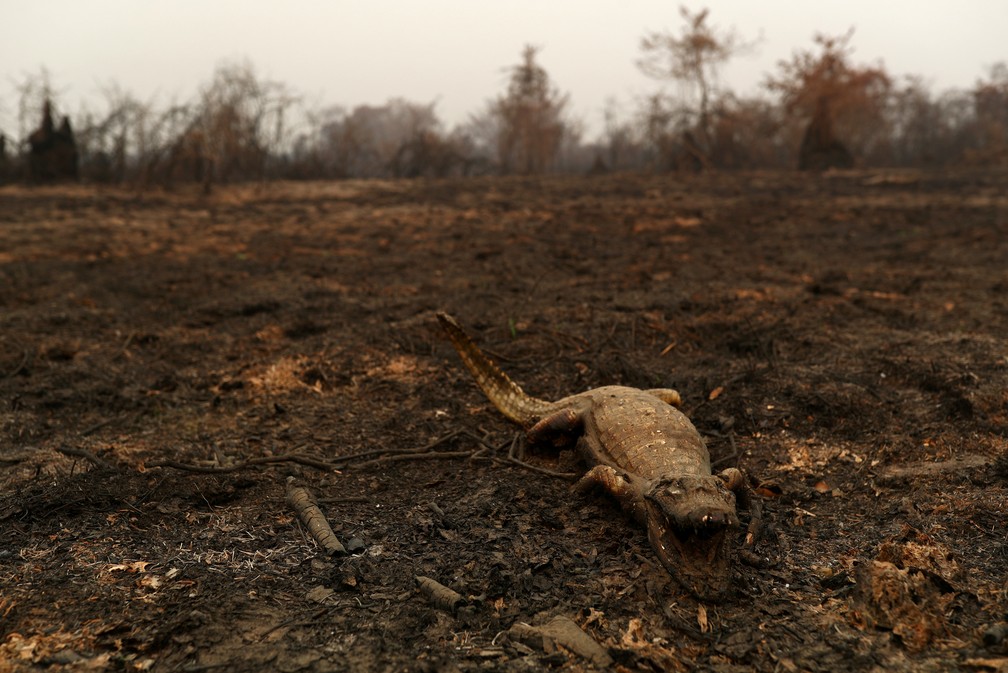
[169,360]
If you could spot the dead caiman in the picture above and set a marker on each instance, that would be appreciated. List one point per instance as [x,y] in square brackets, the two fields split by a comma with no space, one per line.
[646,453]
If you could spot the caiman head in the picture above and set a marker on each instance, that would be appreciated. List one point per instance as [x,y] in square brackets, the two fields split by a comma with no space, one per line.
[690,522]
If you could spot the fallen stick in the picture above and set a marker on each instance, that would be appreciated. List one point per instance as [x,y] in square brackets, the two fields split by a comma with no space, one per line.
[378,457]
[514,459]
[430,455]
[561,631]
[384,455]
[312,517]
[534,468]
[438,594]
[87,455]
[267,460]
[897,473]
[382,452]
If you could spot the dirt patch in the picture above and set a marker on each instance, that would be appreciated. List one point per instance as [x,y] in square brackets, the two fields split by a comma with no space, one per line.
[840,337]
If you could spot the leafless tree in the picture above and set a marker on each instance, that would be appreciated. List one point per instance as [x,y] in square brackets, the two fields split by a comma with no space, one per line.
[834,98]
[749,133]
[238,122]
[33,91]
[480,132]
[116,141]
[990,102]
[918,131]
[693,59]
[622,142]
[397,139]
[530,117]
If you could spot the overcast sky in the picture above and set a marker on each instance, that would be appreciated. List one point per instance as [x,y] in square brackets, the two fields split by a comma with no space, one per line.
[455,51]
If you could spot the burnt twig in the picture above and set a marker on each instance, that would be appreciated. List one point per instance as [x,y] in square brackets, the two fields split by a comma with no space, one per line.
[535,468]
[438,594]
[377,456]
[384,452]
[430,455]
[86,455]
[252,462]
[312,517]
[513,459]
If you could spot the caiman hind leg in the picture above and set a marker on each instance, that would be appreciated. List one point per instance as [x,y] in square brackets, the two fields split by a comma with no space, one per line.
[559,428]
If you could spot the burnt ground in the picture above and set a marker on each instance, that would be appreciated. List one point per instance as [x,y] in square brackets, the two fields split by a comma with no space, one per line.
[843,338]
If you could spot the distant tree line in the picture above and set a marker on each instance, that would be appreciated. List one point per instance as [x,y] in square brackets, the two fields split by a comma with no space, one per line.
[819,110]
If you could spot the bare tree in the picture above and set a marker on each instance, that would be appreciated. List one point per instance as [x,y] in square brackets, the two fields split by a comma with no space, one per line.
[918,132]
[397,139]
[660,128]
[481,132]
[622,140]
[749,133]
[827,91]
[238,122]
[990,102]
[693,59]
[34,90]
[531,118]
[113,143]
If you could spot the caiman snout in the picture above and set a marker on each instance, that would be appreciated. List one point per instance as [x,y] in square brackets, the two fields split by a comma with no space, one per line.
[689,521]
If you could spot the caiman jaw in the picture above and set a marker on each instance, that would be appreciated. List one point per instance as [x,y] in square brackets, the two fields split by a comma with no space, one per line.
[689,523]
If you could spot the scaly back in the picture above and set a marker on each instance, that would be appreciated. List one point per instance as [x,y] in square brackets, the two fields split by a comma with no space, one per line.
[504,393]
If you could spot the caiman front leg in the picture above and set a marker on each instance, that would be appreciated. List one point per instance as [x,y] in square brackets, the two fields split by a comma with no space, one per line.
[746,499]
[627,489]
[667,395]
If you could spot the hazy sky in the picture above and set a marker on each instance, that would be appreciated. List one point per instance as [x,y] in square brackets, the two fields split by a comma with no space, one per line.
[456,51]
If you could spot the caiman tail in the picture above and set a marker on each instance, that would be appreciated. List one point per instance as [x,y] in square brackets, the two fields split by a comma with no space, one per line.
[504,393]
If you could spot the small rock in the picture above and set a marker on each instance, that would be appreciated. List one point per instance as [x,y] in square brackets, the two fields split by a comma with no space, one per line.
[319,593]
[318,566]
[354,544]
[65,658]
[994,635]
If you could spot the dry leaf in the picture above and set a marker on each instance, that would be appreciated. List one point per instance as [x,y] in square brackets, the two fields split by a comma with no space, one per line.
[634,634]
[319,593]
[134,567]
[715,393]
[701,618]
[151,581]
[822,487]
[768,489]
